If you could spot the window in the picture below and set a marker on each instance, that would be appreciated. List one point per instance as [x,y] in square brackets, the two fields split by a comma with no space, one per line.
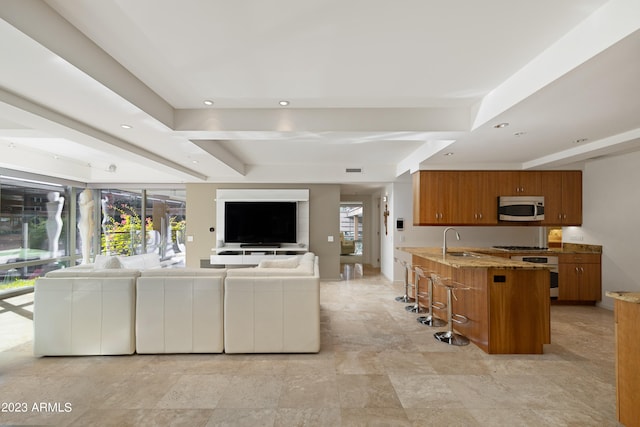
[33,230]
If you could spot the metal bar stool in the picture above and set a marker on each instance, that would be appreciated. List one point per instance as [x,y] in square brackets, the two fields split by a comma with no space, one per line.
[429,320]
[405,298]
[449,336]
[416,308]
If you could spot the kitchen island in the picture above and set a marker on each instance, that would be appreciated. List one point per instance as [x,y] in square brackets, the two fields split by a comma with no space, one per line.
[506,302]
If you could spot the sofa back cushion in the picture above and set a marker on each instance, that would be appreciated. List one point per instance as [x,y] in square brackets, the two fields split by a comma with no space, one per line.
[108,272]
[106,261]
[292,262]
[183,272]
[306,267]
[140,262]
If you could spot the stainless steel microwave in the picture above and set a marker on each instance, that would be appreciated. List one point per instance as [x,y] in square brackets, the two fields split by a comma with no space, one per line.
[521,208]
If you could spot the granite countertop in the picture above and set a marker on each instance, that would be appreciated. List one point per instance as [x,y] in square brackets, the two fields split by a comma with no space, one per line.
[476,258]
[567,248]
[633,297]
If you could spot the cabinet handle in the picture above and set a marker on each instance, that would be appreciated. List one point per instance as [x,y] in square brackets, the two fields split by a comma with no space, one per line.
[480,215]
[581,270]
[559,216]
[577,270]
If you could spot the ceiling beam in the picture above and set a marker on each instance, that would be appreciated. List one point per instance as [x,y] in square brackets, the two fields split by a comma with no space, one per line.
[607,26]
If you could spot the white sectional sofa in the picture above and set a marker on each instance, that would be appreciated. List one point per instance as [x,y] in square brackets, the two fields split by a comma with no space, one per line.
[273,308]
[85,312]
[180,311]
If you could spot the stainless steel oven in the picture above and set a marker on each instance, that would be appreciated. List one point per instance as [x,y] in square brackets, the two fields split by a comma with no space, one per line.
[551,261]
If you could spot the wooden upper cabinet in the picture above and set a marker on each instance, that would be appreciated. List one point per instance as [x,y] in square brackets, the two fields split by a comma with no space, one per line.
[471,197]
[519,183]
[435,197]
[478,197]
[563,197]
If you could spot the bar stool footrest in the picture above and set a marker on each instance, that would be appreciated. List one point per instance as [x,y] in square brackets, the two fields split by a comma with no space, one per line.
[459,318]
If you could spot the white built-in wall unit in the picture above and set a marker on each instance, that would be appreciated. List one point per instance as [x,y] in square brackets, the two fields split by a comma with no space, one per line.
[251,253]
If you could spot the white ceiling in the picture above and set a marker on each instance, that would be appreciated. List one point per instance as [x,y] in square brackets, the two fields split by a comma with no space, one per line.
[381,86]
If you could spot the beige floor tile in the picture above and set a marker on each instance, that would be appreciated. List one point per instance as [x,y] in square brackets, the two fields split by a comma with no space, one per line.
[310,391]
[377,366]
[367,391]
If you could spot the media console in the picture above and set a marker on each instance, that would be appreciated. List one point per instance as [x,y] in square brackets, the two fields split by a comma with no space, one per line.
[252,255]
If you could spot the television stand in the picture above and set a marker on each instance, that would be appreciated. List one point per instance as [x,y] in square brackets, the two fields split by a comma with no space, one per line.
[252,254]
[260,245]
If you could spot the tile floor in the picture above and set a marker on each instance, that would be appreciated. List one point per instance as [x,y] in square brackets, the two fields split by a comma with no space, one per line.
[377,367]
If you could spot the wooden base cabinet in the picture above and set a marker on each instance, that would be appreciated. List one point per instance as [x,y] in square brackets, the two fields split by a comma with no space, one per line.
[579,277]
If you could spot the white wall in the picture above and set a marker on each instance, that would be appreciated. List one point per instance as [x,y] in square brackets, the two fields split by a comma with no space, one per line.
[611,207]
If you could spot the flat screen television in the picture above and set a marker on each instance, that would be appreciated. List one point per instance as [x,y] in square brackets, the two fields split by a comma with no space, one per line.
[260,222]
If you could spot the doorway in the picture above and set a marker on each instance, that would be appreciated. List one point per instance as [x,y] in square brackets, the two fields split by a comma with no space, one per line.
[352,245]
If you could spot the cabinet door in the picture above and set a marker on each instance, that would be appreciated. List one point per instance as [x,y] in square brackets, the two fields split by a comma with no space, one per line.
[519,183]
[477,197]
[568,283]
[572,198]
[590,282]
[580,277]
[551,183]
[435,198]
[562,192]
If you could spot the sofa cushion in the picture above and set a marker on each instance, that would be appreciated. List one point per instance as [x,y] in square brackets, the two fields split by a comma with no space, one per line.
[106,261]
[265,272]
[108,272]
[140,262]
[280,263]
[183,272]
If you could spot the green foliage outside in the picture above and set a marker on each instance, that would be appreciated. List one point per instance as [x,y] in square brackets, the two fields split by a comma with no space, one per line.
[121,236]
[20,283]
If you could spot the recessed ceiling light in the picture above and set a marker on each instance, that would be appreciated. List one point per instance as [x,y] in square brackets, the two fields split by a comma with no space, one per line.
[519,133]
[448,154]
[195,162]
[501,125]
[125,126]
[283,103]
[580,140]
[208,102]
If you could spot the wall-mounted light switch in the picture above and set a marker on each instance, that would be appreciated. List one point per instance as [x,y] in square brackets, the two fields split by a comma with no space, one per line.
[329,238]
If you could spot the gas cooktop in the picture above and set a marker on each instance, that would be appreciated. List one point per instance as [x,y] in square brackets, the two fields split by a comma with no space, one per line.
[522,248]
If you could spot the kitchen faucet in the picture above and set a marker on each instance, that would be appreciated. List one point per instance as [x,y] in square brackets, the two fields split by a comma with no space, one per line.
[444,239]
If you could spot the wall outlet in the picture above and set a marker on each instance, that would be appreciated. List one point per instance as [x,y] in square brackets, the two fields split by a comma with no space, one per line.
[329,239]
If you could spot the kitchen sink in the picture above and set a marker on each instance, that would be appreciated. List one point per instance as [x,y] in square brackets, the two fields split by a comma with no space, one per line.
[463,254]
